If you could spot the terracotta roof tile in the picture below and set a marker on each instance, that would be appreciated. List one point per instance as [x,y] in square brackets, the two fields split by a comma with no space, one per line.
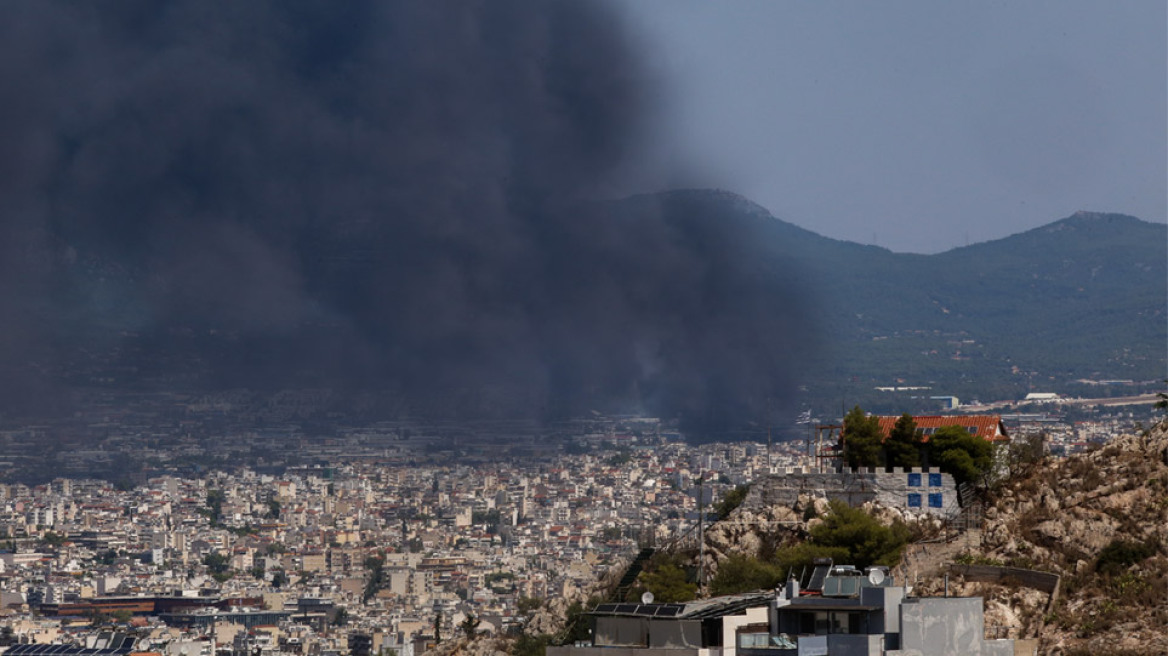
[987,426]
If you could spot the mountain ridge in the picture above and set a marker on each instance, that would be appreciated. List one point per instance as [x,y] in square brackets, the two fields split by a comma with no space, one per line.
[1078,219]
[1084,296]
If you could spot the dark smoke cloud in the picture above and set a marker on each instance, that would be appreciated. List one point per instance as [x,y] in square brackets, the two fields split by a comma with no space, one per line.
[389,195]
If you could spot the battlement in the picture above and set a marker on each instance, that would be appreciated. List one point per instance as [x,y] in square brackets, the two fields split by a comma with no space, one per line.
[788,471]
[912,490]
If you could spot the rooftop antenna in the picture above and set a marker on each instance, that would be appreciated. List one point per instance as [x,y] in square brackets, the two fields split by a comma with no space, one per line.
[770,462]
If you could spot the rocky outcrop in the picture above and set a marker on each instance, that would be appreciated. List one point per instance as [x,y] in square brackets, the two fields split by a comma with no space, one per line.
[549,620]
[480,646]
[751,531]
[1100,520]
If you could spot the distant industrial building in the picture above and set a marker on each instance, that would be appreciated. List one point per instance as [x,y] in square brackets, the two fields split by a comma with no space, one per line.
[947,402]
[1041,397]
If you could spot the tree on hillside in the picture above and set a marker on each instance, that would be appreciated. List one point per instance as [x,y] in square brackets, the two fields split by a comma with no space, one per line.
[528,605]
[470,626]
[731,501]
[1024,452]
[279,579]
[376,581]
[796,558]
[967,457]
[868,541]
[576,621]
[902,448]
[861,437]
[669,584]
[214,509]
[739,573]
[848,536]
[217,563]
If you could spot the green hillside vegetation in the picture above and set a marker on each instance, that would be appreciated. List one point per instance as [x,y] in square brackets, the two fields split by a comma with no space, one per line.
[846,535]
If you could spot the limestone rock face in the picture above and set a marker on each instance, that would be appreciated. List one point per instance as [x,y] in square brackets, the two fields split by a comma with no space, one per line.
[550,618]
[748,531]
[1060,517]
[481,646]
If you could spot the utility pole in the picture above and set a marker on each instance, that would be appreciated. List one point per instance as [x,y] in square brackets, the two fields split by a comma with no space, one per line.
[701,534]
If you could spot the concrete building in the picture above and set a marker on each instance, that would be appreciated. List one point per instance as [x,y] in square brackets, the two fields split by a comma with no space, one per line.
[707,627]
[841,612]
[846,613]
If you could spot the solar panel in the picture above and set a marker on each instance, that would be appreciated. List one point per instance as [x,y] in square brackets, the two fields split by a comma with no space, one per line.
[831,587]
[125,646]
[849,586]
[818,577]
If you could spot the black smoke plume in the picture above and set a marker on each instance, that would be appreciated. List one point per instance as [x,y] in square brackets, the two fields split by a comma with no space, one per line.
[367,195]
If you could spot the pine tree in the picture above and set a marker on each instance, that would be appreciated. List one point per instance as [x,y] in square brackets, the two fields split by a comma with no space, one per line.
[861,439]
[902,448]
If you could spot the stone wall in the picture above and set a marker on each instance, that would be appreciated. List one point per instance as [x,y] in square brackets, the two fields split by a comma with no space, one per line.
[1047,582]
[913,492]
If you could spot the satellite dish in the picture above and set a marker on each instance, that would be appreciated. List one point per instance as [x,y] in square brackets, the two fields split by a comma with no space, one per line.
[876,577]
[647,598]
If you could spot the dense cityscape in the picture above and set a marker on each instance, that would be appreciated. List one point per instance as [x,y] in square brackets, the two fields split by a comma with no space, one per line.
[583,328]
[385,536]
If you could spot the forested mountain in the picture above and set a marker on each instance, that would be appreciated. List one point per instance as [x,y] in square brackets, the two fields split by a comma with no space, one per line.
[1085,297]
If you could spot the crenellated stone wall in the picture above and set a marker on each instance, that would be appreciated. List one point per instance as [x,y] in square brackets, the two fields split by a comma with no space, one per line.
[915,491]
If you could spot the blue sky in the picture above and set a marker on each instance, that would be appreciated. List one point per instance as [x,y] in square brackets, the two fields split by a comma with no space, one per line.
[916,125]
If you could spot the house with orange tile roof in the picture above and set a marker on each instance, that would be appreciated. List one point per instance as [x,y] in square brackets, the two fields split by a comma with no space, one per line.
[988,426]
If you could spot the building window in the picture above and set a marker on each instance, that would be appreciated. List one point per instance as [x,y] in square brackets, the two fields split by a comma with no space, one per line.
[845,622]
[754,640]
[934,480]
[972,430]
[826,622]
[914,500]
[935,499]
[914,480]
[817,623]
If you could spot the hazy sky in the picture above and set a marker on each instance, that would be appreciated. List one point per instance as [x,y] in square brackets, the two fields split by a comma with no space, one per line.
[918,125]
